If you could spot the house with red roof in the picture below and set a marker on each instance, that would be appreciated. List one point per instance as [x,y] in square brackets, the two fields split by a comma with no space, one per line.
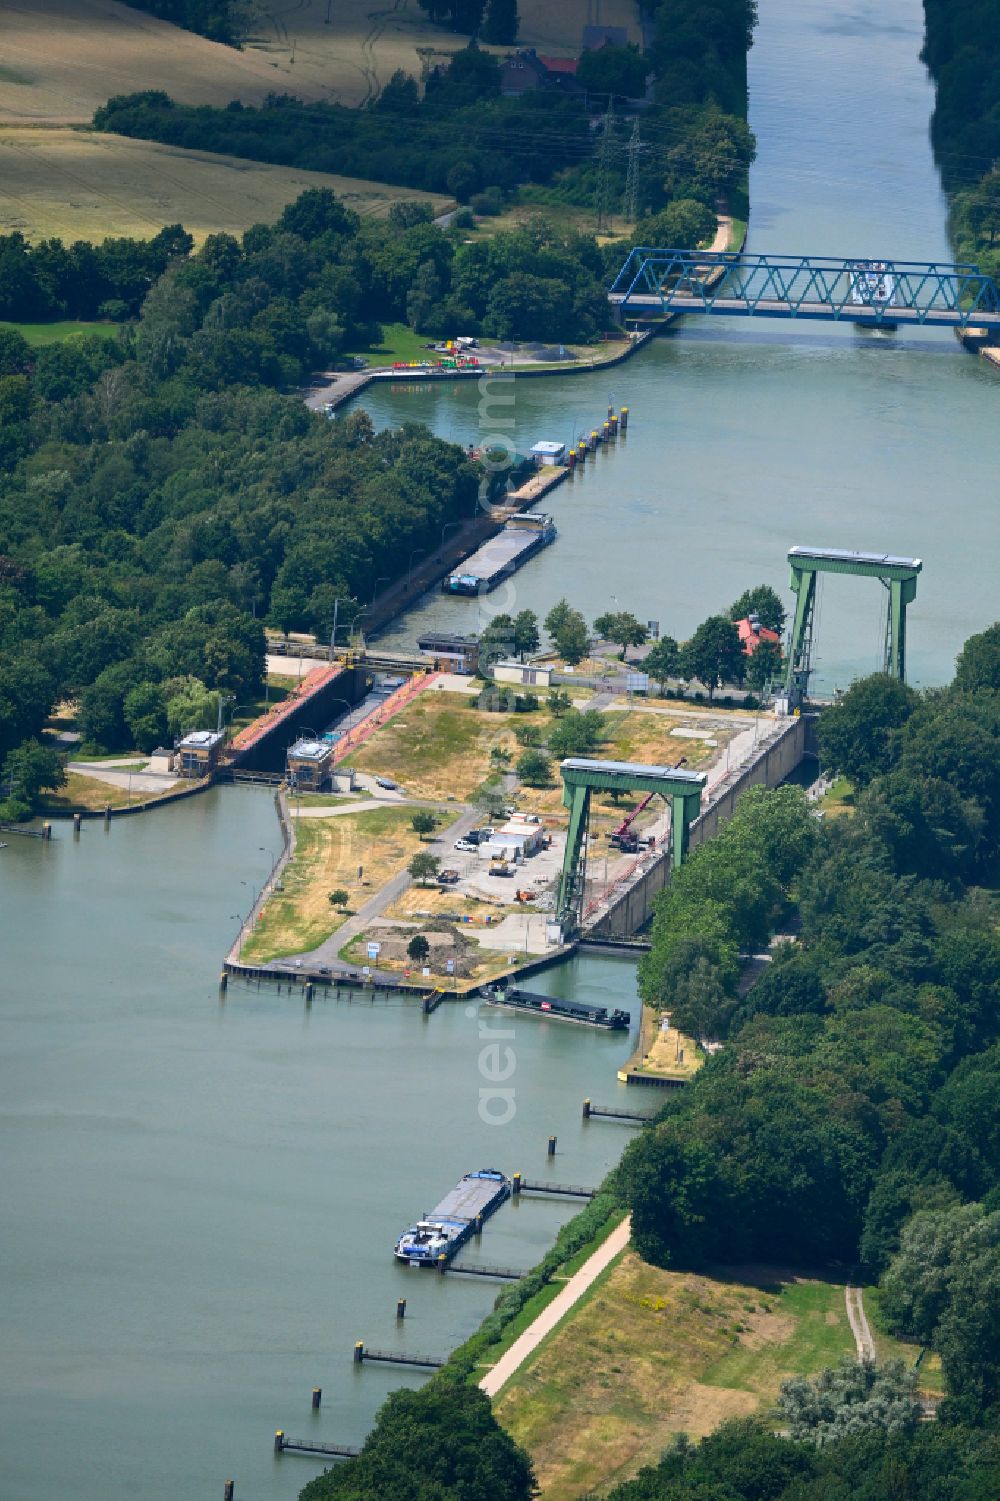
[752,633]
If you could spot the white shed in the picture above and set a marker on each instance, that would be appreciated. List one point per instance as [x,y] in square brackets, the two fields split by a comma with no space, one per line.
[549,453]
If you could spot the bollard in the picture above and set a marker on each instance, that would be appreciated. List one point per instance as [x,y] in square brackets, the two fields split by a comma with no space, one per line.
[611,410]
[515,1186]
[606,432]
[552,1146]
[228,1491]
[442,1262]
[581,449]
[279,1441]
[593,440]
[77,823]
[223,982]
[401,1308]
[107,813]
[359,1352]
[46,831]
[624,418]
[586,1110]
[479,1224]
[614,426]
[309,993]
[317,1397]
[571,458]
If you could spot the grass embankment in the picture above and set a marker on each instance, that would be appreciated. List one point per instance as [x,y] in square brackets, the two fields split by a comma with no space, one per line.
[839,801]
[38,334]
[327,854]
[83,792]
[74,185]
[649,1353]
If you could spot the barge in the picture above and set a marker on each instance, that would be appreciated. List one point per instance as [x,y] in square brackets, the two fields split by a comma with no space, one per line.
[434,1240]
[521,538]
[610,1019]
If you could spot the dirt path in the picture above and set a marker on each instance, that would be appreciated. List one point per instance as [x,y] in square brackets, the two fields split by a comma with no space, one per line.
[858,1320]
[556,1311]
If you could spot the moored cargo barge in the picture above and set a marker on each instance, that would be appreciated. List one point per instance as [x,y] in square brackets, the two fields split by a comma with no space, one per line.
[610,1019]
[435,1239]
[521,538]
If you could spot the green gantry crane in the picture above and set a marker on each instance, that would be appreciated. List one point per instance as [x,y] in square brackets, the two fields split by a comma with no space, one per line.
[897,575]
[581,777]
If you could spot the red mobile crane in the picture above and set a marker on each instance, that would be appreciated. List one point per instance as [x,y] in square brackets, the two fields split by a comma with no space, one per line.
[623,838]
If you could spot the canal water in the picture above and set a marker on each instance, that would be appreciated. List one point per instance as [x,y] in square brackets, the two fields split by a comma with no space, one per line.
[201,1196]
[748,436]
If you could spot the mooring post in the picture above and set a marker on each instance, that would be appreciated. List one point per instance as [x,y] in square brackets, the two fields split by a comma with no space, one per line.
[624,418]
[552,1146]
[309,993]
[77,823]
[442,1263]
[107,813]
[515,1186]
[359,1352]
[228,1491]
[46,831]
[586,1110]
[317,1397]
[401,1308]
[223,983]
[279,1441]
[479,1224]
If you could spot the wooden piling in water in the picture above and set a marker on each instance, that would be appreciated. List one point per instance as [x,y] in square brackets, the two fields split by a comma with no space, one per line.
[586,1110]
[228,1491]
[317,1397]
[552,1146]
[401,1308]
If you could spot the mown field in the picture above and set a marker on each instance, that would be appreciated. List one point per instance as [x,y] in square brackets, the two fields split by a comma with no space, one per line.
[651,1353]
[75,184]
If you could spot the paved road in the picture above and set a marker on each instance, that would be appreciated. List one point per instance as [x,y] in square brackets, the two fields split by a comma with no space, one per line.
[557,1310]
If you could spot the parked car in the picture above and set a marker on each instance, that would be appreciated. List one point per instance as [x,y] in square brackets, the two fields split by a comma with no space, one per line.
[480,836]
[447,877]
[387,784]
[466,845]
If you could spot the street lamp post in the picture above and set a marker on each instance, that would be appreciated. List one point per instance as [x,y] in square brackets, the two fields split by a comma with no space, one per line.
[445,528]
[382,579]
[416,553]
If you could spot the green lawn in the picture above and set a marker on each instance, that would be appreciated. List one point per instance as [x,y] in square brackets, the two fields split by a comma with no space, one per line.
[819,1335]
[399,342]
[57,333]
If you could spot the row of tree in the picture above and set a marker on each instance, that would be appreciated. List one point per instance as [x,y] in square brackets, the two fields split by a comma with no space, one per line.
[713,656]
[962,51]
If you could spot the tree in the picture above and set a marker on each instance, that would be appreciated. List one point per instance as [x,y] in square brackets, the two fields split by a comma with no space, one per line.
[528,735]
[915,1289]
[423,822]
[763,665]
[570,635]
[526,637]
[662,661]
[559,701]
[714,655]
[441,1442]
[497,640]
[577,734]
[762,601]
[418,948]
[623,627]
[146,716]
[500,22]
[848,1399]
[29,770]
[190,706]
[424,868]
[557,617]
[683,224]
[968,1338]
[535,769]
[614,70]
[857,736]
[978,664]
[339,897]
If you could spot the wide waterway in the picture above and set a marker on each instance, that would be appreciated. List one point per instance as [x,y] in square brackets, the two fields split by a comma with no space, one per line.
[749,436]
[201,1197]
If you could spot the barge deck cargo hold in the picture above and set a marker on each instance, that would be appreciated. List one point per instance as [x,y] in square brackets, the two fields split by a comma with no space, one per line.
[434,1240]
[521,538]
[581,1012]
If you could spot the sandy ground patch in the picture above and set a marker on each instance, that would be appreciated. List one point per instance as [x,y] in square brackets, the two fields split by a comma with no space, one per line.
[81,185]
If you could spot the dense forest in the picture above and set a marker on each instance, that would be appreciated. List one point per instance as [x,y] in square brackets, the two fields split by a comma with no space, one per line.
[160,497]
[962,52]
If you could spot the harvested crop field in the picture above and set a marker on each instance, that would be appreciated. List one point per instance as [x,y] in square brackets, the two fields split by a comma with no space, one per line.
[76,184]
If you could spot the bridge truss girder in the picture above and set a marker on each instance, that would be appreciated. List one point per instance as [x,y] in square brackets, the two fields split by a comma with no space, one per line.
[897,575]
[581,777]
[704,281]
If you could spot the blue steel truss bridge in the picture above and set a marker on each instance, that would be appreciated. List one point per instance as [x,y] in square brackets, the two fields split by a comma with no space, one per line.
[876,294]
